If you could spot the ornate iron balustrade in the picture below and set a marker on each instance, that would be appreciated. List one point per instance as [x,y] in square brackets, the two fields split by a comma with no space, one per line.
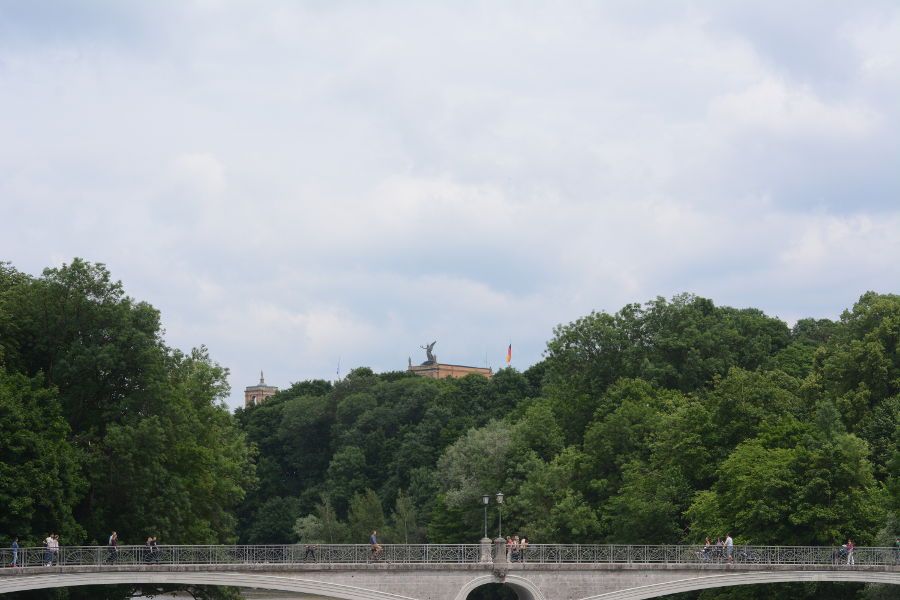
[236,555]
[699,555]
[442,554]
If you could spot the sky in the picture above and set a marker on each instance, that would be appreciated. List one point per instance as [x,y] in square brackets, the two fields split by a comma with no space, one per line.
[298,185]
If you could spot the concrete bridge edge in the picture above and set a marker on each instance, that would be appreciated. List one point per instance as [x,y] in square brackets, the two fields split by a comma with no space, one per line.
[733,579]
[248,580]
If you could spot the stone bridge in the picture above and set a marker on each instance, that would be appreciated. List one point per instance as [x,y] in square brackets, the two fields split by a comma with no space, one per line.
[551,572]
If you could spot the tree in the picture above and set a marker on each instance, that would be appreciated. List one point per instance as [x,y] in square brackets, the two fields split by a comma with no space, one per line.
[792,485]
[40,480]
[404,520]
[365,515]
[625,433]
[309,530]
[476,462]
[180,471]
[346,475]
[332,529]
[682,345]
[549,506]
[321,527]
[274,522]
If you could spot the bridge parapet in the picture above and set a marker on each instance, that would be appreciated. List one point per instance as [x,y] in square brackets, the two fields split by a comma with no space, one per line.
[559,575]
[444,554]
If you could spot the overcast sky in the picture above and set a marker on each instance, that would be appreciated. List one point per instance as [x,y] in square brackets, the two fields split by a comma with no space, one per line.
[298,183]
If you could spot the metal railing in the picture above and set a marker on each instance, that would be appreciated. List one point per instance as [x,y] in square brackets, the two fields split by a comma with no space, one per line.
[237,555]
[700,555]
[442,554]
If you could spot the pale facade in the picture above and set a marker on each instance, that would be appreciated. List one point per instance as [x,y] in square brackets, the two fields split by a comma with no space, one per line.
[440,371]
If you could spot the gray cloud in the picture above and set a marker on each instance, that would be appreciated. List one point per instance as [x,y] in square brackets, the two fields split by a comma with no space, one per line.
[293,183]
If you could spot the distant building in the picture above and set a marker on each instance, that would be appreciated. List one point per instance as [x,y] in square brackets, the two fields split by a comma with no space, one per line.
[433,369]
[256,394]
[438,370]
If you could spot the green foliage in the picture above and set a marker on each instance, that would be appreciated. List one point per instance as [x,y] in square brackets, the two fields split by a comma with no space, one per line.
[661,423]
[792,485]
[40,481]
[366,515]
[274,521]
[680,345]
[404,526]
[102,426]
[548,506]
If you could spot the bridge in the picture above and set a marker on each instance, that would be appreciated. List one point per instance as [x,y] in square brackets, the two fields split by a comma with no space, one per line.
[447,571]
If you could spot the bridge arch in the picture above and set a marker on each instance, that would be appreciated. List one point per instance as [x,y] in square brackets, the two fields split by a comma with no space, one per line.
[734,579]
[524,589]
[250,580]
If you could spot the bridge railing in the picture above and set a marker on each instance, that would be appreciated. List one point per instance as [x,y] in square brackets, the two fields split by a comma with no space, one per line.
[681,554]
[259,554]
[441,554]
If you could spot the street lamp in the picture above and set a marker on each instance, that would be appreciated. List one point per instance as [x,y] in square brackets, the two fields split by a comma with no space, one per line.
[499,497]
[485,500]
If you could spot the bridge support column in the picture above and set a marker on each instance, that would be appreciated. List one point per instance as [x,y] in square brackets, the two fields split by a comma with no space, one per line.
[485,551]
[500,560]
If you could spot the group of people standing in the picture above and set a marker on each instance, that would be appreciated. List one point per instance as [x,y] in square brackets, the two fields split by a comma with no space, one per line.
[846,552]
[516,548]
[152,552]
[51,550]
[151,549]
[723,548]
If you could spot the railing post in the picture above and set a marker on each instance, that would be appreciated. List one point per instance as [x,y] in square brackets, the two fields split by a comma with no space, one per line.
[485,550]
[500,561]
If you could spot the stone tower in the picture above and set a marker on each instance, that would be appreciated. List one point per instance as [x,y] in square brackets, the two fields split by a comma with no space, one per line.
[256,394]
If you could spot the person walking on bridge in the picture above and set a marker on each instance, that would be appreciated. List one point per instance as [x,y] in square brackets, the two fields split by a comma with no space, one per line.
[375,546]
[113,545]
[48,550]
[15,552]
[850,548]
[310,552]
[729,548]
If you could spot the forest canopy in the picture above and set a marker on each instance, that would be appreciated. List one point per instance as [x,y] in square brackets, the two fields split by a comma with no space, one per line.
[664,422]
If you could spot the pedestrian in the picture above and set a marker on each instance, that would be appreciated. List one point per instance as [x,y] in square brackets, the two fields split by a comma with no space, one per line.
[48,550]
[897,551]
[375,546]
[154,549]
[113,545]
[148,549]
[15,552]
[850,548]
[310,552]
[523,547]
[55,554]
[729,548]
[707,550]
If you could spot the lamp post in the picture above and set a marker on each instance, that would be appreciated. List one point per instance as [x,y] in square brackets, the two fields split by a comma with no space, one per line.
[499,497]
[485,541]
